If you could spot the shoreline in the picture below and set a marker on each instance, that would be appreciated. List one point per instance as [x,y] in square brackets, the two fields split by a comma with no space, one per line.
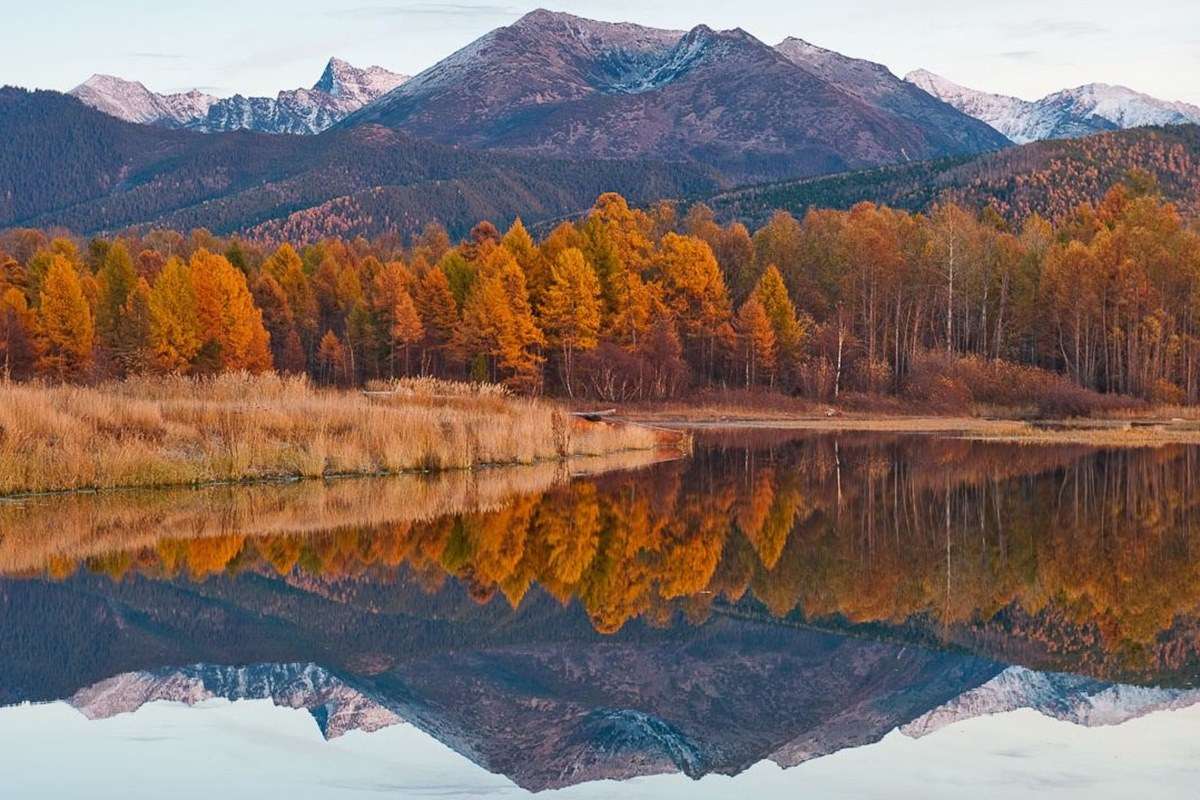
[1133,432]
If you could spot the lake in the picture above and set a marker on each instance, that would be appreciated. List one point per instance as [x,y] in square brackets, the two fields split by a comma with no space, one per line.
[779,614]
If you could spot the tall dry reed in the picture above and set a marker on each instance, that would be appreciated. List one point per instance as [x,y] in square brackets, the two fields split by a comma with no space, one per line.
[179,431]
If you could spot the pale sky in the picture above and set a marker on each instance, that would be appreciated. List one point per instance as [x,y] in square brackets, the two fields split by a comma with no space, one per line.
[1026,48]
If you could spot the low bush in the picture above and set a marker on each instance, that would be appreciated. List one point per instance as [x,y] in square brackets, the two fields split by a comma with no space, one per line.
[953,383]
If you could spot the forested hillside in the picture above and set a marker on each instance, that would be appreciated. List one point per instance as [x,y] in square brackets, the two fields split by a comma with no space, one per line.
[1047,178]
[64,164]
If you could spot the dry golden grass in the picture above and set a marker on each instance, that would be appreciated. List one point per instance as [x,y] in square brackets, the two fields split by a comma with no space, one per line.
[427,387]
[177,431]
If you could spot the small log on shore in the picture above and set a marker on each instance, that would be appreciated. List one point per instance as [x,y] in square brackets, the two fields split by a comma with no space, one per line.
[594,416]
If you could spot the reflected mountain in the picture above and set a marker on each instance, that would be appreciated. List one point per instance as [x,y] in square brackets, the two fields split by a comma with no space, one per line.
[1070,698]
[774,597]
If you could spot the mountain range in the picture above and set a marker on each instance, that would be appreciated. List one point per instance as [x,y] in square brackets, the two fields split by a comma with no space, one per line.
[341,90]
[1071,113]
[69,165]
[557,83]
[534,120]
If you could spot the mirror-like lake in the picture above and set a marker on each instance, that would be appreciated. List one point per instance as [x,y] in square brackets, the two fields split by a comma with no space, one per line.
[833,615]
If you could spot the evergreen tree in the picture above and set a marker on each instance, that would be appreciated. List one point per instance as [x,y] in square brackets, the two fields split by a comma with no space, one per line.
[116,280]
[135,352]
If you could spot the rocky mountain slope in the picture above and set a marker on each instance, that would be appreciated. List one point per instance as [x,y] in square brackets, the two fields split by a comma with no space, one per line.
[875,84]
[341,90]
[553,83]
[133,102]
[1071,113]
[337,707]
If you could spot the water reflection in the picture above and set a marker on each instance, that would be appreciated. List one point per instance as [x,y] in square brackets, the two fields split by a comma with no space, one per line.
[771,597]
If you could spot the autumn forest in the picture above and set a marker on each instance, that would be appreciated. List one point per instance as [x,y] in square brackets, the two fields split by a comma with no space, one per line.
[1100,308]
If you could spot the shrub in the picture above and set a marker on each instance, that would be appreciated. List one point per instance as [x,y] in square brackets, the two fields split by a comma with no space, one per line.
[953,383]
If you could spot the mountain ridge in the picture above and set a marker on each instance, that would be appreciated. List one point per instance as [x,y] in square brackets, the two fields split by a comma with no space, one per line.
[1050,178]
[1068,113]
[341,90]
[875,83]
[1069,698]
[556,84]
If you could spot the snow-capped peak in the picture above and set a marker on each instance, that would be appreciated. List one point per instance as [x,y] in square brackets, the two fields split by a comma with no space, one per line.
[935,84]
[133,102]
[1081,111]
[1123,106]
[341,90]
[347,82]
[337,706]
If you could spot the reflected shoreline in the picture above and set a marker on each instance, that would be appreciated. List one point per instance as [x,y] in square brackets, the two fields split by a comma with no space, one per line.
[41,532]
[1065,558]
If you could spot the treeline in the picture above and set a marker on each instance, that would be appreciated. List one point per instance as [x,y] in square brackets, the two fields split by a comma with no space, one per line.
[945,308]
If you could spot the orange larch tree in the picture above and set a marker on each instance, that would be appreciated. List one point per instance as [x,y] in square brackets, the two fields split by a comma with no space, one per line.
[229,321]
[65,323]
[571,311]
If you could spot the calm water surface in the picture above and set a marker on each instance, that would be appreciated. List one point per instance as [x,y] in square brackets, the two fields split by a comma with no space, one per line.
[853,615]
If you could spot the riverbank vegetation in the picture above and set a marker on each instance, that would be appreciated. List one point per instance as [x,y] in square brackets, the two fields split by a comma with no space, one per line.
[1096,312]
[238,427]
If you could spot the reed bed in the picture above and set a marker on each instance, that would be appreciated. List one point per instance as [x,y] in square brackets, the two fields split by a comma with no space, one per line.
[180,431]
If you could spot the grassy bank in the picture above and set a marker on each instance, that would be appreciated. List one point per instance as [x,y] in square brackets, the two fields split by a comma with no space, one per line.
[169,432]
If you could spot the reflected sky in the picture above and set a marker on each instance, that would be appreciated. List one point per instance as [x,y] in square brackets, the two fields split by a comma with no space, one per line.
[253,749]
